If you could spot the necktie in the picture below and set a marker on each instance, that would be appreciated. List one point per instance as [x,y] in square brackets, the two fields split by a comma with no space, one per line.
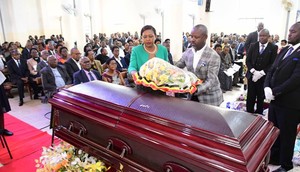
[19,64]
[262,49]
[238,47]
[91,77]
[289,52]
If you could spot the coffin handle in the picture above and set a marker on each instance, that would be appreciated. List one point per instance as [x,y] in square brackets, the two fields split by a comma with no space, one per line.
[169,169]
[109,145]
[70,126]
[81,131]
[123,153]
[174,167]
[119,145]
[75,126]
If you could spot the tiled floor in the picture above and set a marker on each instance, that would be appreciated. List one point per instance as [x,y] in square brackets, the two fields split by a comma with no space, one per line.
[37,114]
[32,112]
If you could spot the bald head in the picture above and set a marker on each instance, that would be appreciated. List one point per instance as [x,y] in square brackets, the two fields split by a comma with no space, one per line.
[52,61]
[199,36]
[260,26]
[266,31]
[85,63]
[264,35]
[44,54]
[201,28]
[75,53]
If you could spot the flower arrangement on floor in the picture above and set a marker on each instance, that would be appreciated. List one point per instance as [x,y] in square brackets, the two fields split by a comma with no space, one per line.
[65,157]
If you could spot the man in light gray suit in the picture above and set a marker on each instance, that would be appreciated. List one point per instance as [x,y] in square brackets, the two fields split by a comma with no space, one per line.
[204,62]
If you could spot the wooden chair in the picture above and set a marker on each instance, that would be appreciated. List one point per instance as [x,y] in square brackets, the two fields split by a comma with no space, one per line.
[38,81]
[8,86]
[28,88]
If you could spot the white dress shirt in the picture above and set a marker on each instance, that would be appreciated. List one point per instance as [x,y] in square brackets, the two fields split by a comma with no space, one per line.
[197,56]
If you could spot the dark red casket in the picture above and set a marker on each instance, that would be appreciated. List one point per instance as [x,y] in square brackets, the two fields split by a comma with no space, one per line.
[146,132]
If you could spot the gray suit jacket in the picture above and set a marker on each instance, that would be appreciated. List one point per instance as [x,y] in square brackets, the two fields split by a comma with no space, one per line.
[40,66]
[48,79]
[209,92]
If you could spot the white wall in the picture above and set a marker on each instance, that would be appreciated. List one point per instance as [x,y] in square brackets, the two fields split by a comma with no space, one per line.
[238,16]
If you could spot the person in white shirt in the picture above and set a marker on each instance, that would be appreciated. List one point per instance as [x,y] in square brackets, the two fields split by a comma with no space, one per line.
[204,62]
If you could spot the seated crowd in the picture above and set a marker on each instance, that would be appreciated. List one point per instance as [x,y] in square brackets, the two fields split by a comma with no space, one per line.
[46,66]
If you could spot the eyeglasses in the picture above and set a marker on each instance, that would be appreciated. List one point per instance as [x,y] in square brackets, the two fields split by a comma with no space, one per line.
[86,62]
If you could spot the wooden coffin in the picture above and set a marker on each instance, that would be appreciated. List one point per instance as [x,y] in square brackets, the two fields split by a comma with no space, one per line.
[146,132]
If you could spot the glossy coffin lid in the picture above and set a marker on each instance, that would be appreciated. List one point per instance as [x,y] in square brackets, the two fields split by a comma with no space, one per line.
[211,138]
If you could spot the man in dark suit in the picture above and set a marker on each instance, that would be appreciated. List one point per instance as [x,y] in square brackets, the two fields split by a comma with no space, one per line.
[282,86]
[102,56]
[86,74]
[18,71]
[259,60]
[253,36]
[4,107]
[26,50]
[72,64]
[54,77]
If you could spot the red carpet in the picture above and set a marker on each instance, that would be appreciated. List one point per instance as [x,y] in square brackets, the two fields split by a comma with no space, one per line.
[25,146]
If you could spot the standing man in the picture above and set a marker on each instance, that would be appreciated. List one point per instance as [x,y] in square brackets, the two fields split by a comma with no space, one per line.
[204,62]
[260,58]
[282,86]
[4,107]
[253,36]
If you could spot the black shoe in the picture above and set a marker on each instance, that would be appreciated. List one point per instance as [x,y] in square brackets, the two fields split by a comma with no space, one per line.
[280,169]
[21,103]
[7,133]
[235,85]
[245,87]
[273,162]
[10,96]
[35,97]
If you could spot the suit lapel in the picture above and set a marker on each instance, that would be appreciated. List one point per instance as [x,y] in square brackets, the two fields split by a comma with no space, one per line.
[283,62]
[190,61]
[265,50]
[76,68]
[50,71]
[203,59]
[19,69]
[85,77]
